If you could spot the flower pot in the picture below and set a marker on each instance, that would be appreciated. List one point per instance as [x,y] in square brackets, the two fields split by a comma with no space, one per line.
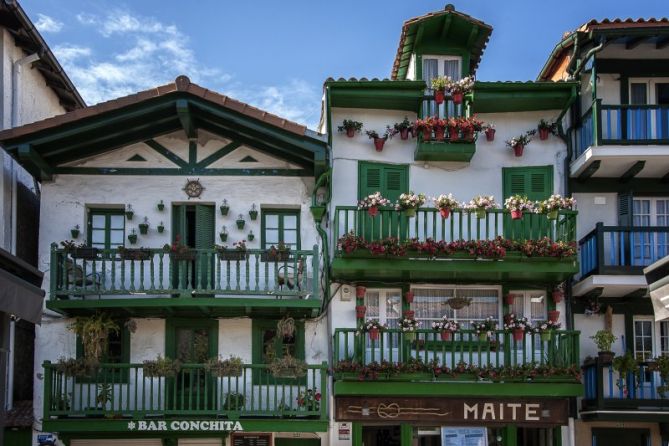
[240,224]
[161,229]
[232,254]
[373,211]
[143,229]
[518,334]
[553,315]
[457,97]
[439,96]
[251,237]
[546,336]
[508,299]
[408,297]
[410,212]
[453,134]
[483,337]
[161,206]
[360,311]
[86,253]
[378,144]
[224,236]
[557,296]
[410,336]
[74,233]
[605,357]
[518,149]
[468,135]
[350,132]
[552,215]
[480,213]
[427,134]
[360,292]
[409,314]
[132,238]
[439,134]
[445,212]
[543,134]
[253,215]
[404,134]
[490,134]
[516,214]
[224,210]
[374,334]
[446,335]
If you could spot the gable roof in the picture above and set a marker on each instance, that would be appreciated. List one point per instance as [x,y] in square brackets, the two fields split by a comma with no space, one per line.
[26,37]
[477,37]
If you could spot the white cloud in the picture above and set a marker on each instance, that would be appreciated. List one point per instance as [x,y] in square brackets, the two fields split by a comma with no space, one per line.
[48,24]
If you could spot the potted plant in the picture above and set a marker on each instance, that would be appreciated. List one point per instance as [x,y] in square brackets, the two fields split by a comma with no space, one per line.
[129,213]
[234,401]
[604,339]
[360,292]
[408,297]
[489,131]
[250,236]
[75,232]
[485,328]
[516,204]
[79,250]
[225,208]
[424,128]
[279,253]
[546,128]
[77,368]
[253,213]
[553,204]
[545,329]
[232,366]
[94,332]
[439,85]
[458,89]
[408,324]
[453,126]
[133,254]
[223,234]
[144,226]
[518,143]
[626,366]
[481,204]
[360,311]
[380,140]
[240,222]
[286,327]
[554,315]
[374,328]
[459,302]
[179,251]
[161,205]
[509,298]
[351,127]
[446,327]
[409,203]
[558,294]
[662,366]
[132,237]
[287,367]
[161,228]
[372,202]
[403,128]
[309,399]
[518,326]
[445,204]
[161,367]
[237,252]
[466,128]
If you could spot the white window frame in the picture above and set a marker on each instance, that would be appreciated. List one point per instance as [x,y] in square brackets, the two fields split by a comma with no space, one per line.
[527,304]
[651,90]
[383,296]
[497,288]
[654,332]
[441,58]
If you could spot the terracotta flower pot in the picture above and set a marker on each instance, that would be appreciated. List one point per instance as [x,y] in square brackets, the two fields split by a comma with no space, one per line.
[427,134]
[360,292]
[490,134]
[468,135]
[516,214]
[373,211]
[508,299]
[543,134]
[457,98]
[518,149]
[374,334]
[553,315]
[360,311]
[350,132]
[453,134]
[408,297]
[409,314]
[378,144]
[445,212]
[439,96]
[446,335]
[404,134]
[439,133]
[557,296]
[518,334]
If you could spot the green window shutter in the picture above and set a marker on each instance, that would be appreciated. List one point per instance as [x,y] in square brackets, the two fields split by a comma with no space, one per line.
[395,182]
[179,223]
[625,209]
[535,182]
[388,179]
[204,230]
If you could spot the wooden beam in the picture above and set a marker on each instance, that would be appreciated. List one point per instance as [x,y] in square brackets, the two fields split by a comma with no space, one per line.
[34,163]
[176,159]
[220,153]
[589,171]
[632,171]
[662,43]
[634,42]
[638,293]
[447,26]
[472,36]
[186,119]
[665,178]
[594,293]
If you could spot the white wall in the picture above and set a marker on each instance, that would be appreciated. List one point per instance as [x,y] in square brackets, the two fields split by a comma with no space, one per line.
[589,325]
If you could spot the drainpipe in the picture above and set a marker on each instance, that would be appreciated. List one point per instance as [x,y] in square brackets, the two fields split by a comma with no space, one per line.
[587,56]
[10,365]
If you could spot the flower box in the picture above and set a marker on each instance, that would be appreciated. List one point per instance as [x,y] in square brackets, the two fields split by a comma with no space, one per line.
[273,255]
[232,255]
[135,254]
[186,255]
[85,253]
[461,151]
[412,376]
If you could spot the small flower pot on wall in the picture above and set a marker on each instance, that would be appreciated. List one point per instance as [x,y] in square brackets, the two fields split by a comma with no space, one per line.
[518,334]
[404,134]
[446,335]
[240,222]
[439,133]
[374,334]
[161,206]
[490,135]
[360,311]
[161,228]
[250,236]
[408,297]
[373,211]
[223,236]
[508,299]
[427,134]
[360,292]
[553,315]
[378,144]
[518,149]
[132,238]
[74,232]
[143,228]
[543,134]
[224,208]
[350,132]
[253,213]
[557,296]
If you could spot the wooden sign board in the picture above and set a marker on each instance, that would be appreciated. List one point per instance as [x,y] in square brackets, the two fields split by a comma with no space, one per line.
[247,439]
[455,411]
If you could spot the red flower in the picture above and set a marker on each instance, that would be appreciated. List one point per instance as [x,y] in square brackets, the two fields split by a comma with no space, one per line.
[317,397]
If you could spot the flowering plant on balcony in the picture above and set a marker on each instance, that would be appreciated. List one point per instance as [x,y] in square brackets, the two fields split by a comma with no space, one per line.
[408,323]
[553,204]
[351,127]
[409,202]
[546,128]
[309,399]
[484,328]
[516,204]
[445,325]
[464,85]
[445,203]
[513,322]
[372,202]
[403,128]
[441,83]
[389,246]
[372,324]
[518,143]
[350,242]
[380,140]
[545,326]
[480,204]
[545,247]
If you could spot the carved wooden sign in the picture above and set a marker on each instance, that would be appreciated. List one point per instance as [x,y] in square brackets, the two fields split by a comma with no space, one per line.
[461,411]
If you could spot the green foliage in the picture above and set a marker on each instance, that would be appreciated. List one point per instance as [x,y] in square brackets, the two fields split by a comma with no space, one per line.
[162,367]
[234,401]
[94,332]
[604,339]
[350,124]
[287,367]
[233,366]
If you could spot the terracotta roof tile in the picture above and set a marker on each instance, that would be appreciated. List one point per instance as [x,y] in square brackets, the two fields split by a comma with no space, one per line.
[181,83]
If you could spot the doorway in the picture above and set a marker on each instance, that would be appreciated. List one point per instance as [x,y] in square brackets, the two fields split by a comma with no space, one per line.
[381,436]
[193,226]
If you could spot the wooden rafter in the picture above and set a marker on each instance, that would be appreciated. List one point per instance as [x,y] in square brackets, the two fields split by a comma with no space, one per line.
[589,171]
[186,119]
[632,171]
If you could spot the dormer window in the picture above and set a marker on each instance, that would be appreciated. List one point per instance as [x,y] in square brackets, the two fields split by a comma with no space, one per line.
[434,66]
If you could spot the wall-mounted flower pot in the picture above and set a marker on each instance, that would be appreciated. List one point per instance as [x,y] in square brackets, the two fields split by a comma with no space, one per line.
[404,134]
[253,214]
[350,132]
[490,134]
[360,292]
[516,214]
[360,311]
[373,334]
[250,236]
[317,212]
[223,236]
[553,315]
[409,314]
[458,98]
[557,296]
[439,96]
[480,213]
[161,228]
[224,210]
[161,206]
[508,299]
[408,297]
[543,134]
[74,233]
[132,238]
[240,223]
[410,213]
[518,149]
[129,214]
[143,228]
[378,144]
[446,335]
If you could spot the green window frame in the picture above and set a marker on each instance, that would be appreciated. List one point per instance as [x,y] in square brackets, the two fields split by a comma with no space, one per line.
[276,224]
[261,331]
[108,222]
[116,342]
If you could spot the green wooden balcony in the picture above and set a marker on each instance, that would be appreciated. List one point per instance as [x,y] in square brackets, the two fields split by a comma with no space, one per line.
[150,281]
[460,226]
[465,359]
[114,394]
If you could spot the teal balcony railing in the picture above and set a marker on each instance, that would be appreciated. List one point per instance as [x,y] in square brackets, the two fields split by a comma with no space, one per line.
[124,391]
[154,272]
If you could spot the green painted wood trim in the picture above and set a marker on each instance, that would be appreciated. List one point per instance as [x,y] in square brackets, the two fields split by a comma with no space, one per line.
[642,186]
[192,153]
[86,428]
[220,153]
[373,388]
[34,163]
[356,435]
[510,435]
[183,172]
[176,159]
[107,213]
[257,349]
[444,151]
[186,119]
[196,302]
[406,434]
[280,214]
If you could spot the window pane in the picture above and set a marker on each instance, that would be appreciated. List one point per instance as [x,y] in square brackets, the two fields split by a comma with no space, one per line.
[272,221]
[537,306]
[116,237]
[97,236]
[290,237]
[271,236]
[452,69]
[372,303]
[430,304]
[664,338]
[290,222]
[98,221]
[117,221]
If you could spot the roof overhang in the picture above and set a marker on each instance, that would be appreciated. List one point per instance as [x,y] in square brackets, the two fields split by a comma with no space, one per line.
[500,97]
[657,276]
[20,292]
[376,94]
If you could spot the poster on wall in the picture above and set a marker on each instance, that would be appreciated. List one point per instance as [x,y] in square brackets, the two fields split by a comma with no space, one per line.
[464,436]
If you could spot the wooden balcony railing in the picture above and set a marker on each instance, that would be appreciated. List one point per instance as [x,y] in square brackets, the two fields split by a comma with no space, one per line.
[465,346]
[461,225]
[621,124]
[148,272]
[123,391]
[621,249]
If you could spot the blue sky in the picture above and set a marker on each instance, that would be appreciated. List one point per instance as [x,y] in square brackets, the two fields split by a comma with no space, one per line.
[276,54]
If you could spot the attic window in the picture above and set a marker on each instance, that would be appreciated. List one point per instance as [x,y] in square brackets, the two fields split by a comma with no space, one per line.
[248,159]
[136,157]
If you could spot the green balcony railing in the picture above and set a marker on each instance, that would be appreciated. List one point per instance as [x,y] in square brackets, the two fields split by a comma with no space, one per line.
[460,225]
[499,349]
[123,391]
[208,272]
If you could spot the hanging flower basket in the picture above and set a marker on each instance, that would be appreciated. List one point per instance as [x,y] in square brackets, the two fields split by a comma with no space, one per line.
[410,213]
[378,144]
[518,149]
[490,134]
[543,134]
[516,214]
[408,297]
[445,213]
[546,336]
[552,215]
[360,311]
[439,96]
[409,314]
[446,335]
[457,97]
[410,336]
[480,213]
[518,334]
[360,292]
[553,315]
[458,303]
[557,296]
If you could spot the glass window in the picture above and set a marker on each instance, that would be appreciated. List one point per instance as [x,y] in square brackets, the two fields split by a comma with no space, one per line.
[430,305]
[269,344]
[384,305]
[643,339]
[106,228]
[280,226]
[664,337]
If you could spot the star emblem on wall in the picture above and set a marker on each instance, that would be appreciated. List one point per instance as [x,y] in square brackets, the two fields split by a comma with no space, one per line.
[132,425]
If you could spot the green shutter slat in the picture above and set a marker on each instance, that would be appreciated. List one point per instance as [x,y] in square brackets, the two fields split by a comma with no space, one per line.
[204,226]
[517,184]
[538,183]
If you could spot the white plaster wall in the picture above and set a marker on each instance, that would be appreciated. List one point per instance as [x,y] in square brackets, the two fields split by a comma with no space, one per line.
[589,325]
[590,213]
[608,88]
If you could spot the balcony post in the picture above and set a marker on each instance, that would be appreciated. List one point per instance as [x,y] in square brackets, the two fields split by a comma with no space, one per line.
[599,235]
[597,122]
[600,383]
[48,379]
